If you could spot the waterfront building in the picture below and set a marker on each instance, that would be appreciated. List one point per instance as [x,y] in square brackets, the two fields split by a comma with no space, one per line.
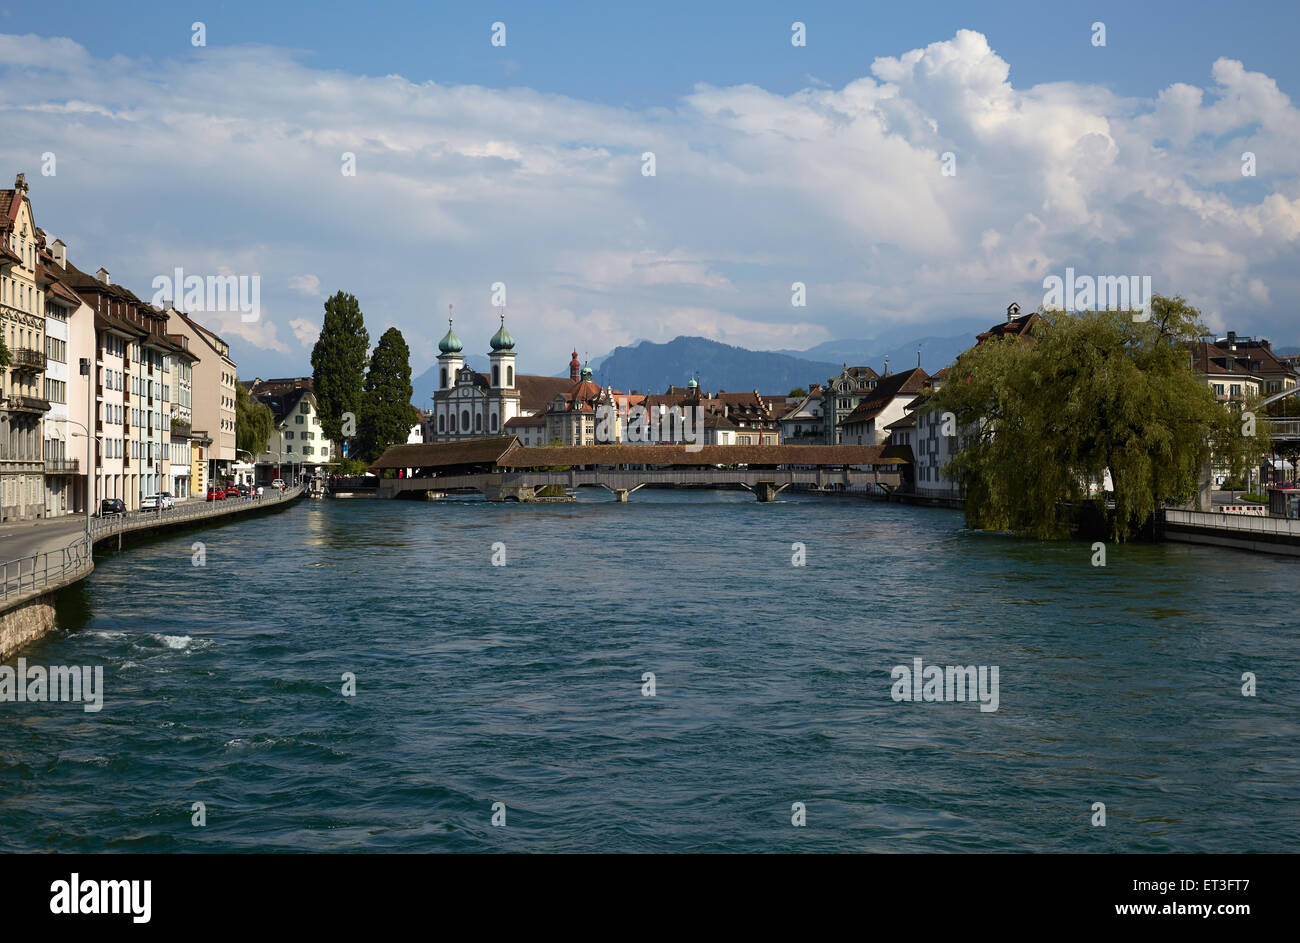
[298,440]
[1239,368]
[212,378]
[842,395]
[181,445]
[69,339]
[575,416]
[933,441]
[870,419]
[22,324]
[804,421]
[133,356]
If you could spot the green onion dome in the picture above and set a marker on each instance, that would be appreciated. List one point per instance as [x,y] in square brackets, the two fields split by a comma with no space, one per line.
[450,343]
[502,340]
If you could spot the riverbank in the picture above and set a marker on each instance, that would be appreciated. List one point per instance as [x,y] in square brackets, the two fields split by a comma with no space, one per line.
[59,553]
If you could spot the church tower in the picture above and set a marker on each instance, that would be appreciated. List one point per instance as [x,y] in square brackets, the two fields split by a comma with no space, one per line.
[450,363]
[450,360]
[504,403]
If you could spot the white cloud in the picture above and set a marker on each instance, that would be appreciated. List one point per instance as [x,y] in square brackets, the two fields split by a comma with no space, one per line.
[305,331]
[308,285]
[231,161]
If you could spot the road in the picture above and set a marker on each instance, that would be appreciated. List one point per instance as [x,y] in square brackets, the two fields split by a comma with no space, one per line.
[24,538]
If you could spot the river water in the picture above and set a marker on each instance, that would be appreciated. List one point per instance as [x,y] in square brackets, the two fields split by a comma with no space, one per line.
[523,684]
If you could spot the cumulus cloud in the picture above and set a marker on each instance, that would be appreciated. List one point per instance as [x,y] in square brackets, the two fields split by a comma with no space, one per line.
[308,285]
[305,331]
[233,161]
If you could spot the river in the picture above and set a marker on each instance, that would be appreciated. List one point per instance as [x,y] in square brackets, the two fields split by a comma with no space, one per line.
[523,684]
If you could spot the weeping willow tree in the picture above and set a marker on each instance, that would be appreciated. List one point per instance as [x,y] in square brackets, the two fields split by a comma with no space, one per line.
[1043,418]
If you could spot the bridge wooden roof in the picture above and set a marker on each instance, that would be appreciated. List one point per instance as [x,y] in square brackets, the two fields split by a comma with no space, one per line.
[524,457]
[485,451]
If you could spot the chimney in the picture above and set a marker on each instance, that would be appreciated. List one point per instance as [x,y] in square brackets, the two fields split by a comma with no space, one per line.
[102,275]
[60,253]
[1232,340]
[1013,312]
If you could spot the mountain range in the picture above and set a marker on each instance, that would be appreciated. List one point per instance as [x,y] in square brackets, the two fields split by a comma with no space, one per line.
[648,367]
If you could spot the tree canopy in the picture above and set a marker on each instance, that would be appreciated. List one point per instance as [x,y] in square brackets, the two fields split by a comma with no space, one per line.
[253,423]
[386,411]
[1039,419]
[338,363]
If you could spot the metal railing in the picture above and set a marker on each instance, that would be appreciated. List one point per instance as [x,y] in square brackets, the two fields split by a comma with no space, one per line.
[1236,523]
[62,466]
[21,401]
[1289,428]
[29,576]
[26,357]
[192,509]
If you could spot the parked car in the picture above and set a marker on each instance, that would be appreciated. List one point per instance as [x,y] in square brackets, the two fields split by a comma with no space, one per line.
[111,506]
[278,483]
[155,502]
[216,492]
[244,490]
[232,491]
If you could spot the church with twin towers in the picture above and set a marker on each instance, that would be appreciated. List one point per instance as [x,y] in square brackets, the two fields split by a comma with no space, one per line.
[470,405]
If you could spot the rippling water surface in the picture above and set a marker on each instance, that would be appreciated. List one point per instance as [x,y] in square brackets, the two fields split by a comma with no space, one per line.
[522,684]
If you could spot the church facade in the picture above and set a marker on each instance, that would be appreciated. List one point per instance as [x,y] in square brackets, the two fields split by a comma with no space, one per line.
[470,405]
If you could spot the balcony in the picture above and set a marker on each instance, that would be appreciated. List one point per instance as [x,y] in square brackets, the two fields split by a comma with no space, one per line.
[181,429]
[62,466]
[30,404]
[126,395]
[24,358]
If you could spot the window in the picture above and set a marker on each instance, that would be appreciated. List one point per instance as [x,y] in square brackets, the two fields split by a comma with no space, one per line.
[494,422]
[304,407]
[442,423]
[478,423]
[288,434]
[444,377]
[464,420]
[496,375]
[510,376]
[298,420]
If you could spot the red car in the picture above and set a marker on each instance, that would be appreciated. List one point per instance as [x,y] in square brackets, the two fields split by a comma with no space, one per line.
[216,493]
[232,491]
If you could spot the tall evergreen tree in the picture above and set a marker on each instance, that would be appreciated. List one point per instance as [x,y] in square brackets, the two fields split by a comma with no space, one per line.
[338,363]
[386,411]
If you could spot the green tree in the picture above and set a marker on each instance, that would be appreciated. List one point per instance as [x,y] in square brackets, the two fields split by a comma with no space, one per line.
[798,391]
[4,353]
[1041,419]
[253,422]
[386,411]
[338,364]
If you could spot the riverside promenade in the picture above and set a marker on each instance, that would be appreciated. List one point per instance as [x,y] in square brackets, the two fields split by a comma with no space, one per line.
[38,558]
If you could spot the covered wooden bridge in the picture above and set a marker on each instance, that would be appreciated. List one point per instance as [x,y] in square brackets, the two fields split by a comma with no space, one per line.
[502,469]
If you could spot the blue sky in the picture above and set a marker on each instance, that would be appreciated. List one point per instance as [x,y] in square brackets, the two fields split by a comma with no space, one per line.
[521,164]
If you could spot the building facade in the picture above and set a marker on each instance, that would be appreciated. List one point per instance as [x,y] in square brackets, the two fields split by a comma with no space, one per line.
[297,445]
[22,382]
